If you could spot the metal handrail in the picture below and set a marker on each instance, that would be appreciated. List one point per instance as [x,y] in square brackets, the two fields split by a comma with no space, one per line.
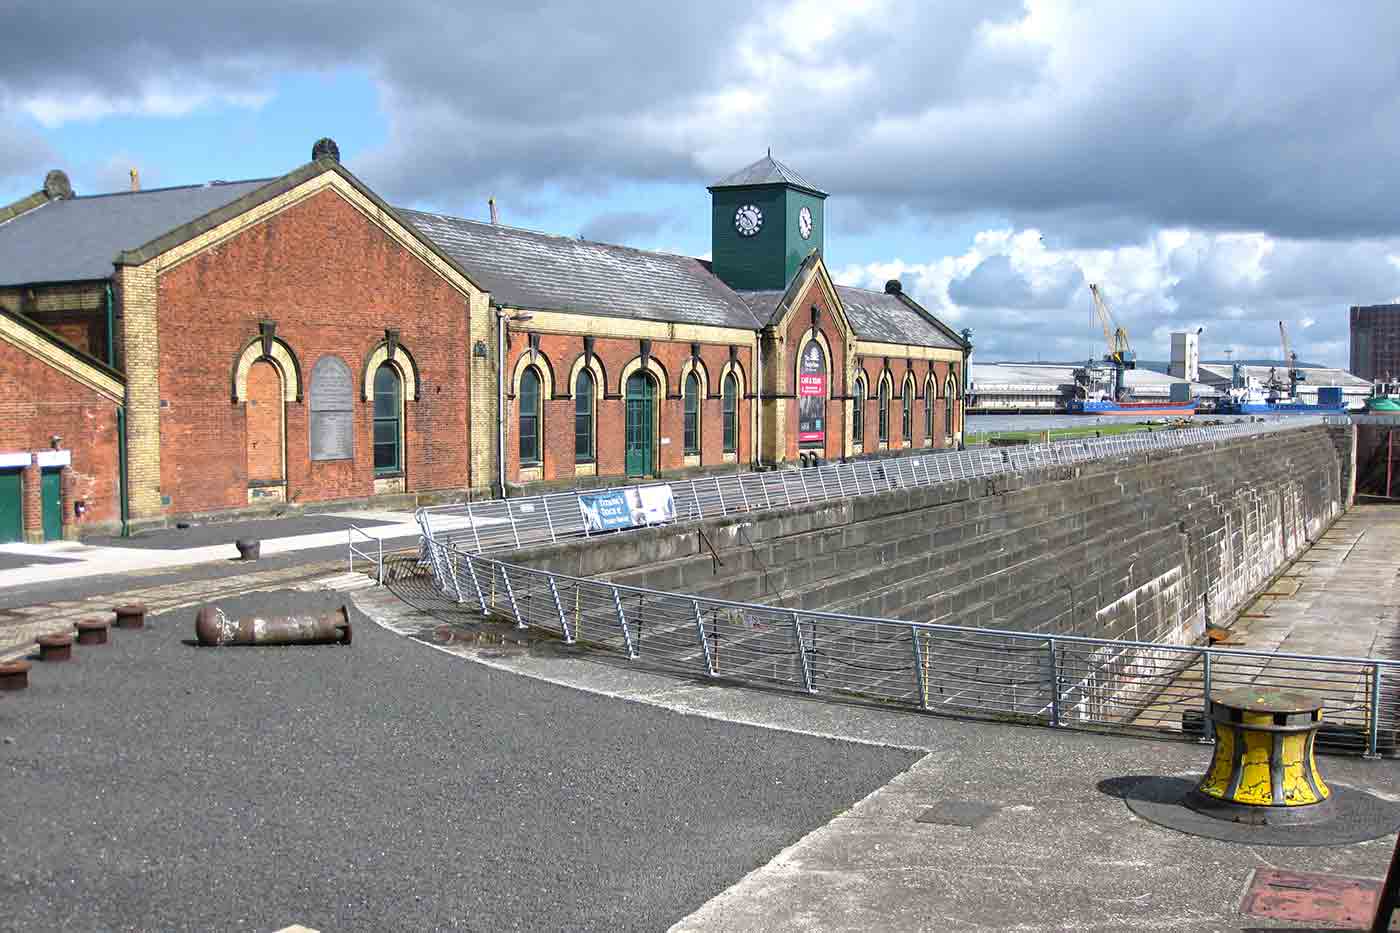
[376,558]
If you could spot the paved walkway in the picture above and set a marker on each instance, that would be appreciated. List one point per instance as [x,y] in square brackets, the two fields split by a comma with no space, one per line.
[23,564]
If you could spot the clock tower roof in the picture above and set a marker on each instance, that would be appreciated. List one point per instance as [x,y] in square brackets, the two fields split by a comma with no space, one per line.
[767,171]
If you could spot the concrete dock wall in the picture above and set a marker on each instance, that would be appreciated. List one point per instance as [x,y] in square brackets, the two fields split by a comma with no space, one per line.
[1146,547]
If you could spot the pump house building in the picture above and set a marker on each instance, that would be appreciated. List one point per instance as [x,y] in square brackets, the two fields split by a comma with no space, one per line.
[238,347]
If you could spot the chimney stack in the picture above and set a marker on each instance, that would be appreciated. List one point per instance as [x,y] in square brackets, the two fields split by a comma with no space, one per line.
[495,218]
[135,180]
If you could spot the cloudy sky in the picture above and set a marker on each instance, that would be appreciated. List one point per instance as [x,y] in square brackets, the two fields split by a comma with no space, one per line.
[1216,163]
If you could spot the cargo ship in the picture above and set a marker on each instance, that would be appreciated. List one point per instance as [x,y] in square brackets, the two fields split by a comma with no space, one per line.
[1273,396]
[1135,408]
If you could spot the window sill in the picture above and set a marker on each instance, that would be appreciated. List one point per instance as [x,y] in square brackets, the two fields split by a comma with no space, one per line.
[692,459]
[388,474]
[588,468]
[731,456]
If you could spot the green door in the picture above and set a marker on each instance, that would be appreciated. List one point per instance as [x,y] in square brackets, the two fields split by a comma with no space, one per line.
[51,492]
[11,507]
[640,429]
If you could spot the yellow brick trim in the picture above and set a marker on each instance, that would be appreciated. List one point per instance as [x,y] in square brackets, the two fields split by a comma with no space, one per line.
[907,351]
[281,358]
[692,365]
[402,362]
[82,297]
[327,179]
[141,350]
[653,367]
[546,373]
[594,367]
[562,322]
[35,345]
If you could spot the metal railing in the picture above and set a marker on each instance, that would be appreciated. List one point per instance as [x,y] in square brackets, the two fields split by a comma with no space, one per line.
[1058,680]
[376,557]
[506,524]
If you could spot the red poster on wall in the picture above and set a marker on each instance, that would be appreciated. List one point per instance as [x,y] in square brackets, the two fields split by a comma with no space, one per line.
[811,396]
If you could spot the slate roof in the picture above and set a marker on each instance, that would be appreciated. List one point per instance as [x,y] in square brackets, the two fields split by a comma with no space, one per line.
[887,318]
[77,239]
[766,171]
[525,269]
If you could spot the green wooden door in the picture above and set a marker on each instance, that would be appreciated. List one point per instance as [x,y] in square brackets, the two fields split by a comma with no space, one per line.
[11,507]
[640,429]
[51,492]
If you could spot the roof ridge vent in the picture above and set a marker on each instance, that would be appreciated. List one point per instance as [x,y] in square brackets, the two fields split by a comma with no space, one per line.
[894,287]
[57,187]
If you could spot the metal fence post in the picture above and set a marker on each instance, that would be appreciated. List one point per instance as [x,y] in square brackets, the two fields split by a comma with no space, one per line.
[704,644]
[1373,740]
[1051,645]
[480,596]
[1207,726]
[510,513]
[471,520]
[622,622]
[743,493]
[802,654]
[920,675]
[510,596]
[720,489]
[452,575]
[544,500]
[559,608]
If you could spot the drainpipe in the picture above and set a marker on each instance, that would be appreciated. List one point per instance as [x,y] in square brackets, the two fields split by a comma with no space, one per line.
[111,350]
[121,471]
[500,397]
[965,379]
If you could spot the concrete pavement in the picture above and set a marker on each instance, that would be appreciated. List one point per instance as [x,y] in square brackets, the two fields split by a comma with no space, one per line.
[62,561]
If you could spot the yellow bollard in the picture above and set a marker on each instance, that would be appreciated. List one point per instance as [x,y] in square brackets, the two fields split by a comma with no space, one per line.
[1263,771]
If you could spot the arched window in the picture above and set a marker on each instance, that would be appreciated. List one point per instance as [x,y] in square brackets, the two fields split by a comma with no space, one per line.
[332,410]
[907,409]
[529,401]
[731,413]
[858,413]
[884,412]
[692,413]
[583,418]
[930,397]
[388,420]
[948,409]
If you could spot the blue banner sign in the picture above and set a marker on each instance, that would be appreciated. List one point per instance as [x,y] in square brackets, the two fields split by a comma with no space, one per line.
[605,511]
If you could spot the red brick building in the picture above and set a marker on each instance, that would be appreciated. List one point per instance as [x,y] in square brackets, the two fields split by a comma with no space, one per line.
[297,342]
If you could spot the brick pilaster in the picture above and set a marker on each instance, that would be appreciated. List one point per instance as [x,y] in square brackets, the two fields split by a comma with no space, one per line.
[141,352]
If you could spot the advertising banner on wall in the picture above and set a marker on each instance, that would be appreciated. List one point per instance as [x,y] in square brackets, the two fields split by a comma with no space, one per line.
[614,509]
[811,396]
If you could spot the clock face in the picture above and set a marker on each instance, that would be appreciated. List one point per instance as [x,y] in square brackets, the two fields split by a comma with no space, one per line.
[804,223]
[748,219]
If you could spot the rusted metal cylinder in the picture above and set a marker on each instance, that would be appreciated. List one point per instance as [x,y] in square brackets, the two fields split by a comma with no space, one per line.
[55,647]
[132,615]
[212,626]
[92,631]
[14,675]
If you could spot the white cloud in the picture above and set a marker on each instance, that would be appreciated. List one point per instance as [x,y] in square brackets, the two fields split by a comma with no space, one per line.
[54,110]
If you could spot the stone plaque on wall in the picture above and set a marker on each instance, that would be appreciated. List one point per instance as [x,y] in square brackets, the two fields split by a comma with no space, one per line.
[332,410]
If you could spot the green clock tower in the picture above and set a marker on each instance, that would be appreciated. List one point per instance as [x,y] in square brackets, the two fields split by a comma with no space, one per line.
[765,219]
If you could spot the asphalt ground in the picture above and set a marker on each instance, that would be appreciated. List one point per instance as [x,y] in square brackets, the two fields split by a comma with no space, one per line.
[153,785]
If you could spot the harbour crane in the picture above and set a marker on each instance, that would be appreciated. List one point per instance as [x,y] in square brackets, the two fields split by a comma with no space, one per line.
[1290,362]
[1120,353]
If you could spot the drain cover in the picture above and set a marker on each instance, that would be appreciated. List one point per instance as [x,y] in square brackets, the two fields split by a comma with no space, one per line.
[1305,897]
[958,813]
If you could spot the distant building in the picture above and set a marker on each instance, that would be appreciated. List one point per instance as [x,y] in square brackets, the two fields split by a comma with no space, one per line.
[1186,356]
[1375,341]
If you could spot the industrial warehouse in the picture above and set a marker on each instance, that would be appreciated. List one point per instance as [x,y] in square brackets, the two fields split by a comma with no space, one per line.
[247,347]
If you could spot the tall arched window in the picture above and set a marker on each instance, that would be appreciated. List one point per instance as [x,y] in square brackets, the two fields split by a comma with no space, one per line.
[388,420]
[930,397]
[731,413]
[948,409]
[583,418]
[858,413]
[884,411]
[907,409]
[529,400]
[692,413]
